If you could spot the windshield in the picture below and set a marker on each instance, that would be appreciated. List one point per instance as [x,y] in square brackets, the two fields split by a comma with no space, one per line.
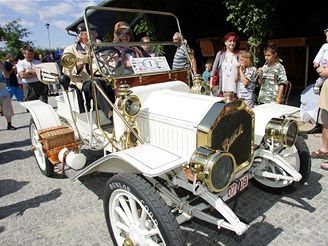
[126,42]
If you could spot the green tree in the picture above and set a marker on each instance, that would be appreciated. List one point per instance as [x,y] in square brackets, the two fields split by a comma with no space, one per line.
[252,18]
[12,34]
[145,27]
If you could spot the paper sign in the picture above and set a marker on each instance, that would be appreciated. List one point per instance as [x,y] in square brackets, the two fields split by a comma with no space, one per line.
[149,64]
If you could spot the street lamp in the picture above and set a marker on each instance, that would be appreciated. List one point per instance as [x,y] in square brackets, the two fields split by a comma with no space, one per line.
[48,25]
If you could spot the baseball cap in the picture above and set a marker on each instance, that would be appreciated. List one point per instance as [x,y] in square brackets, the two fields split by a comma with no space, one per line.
[121,25]
[82,28]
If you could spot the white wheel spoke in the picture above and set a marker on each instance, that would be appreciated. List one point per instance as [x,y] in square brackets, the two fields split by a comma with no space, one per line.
[123,216]
[143,219]
[134,210]
[123,227]
[150,242]
[126,209]
[288,154]
[272,168]
[151,232]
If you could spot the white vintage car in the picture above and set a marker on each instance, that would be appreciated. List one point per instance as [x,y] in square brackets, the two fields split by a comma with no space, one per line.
[174,153]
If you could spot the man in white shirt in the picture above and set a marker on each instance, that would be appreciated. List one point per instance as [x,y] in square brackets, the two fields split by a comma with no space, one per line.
[35,89]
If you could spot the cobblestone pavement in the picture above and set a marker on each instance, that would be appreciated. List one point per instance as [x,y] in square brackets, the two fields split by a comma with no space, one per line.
[36,210]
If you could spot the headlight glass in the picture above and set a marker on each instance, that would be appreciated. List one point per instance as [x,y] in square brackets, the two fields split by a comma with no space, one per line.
[283,131]
[131,138]
[132,106]
[215,168]
[291,133]
[220,168]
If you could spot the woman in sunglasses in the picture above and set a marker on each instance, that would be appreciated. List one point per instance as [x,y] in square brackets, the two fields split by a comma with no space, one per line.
[123,33]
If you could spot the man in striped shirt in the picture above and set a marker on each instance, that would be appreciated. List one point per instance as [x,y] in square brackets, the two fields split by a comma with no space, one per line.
[181,60]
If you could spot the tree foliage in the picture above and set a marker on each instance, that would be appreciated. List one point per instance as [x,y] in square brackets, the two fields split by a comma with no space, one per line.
[13,34]
[252,18]
[146,28]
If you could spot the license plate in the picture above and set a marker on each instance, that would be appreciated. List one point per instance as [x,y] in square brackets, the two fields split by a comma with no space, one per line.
[233,188]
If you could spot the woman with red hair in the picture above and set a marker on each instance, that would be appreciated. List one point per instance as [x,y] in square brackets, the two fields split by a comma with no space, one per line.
[224,75]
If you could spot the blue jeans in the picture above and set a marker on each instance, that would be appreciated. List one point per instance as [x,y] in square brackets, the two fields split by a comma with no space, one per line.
[17,91]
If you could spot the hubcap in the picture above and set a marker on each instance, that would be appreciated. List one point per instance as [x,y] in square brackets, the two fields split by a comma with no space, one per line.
[128,242]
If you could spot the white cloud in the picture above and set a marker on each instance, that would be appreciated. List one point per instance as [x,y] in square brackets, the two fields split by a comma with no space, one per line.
[23,22]
[26,23]
[24,7]
[58,9]
[60,24]
[34,14]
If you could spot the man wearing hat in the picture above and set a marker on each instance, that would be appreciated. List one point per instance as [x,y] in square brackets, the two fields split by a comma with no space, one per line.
[80,73]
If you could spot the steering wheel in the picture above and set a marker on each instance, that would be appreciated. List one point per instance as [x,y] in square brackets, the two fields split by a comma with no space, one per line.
[109,59]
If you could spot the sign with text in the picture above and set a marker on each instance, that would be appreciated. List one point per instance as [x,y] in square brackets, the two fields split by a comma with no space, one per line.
[149,64]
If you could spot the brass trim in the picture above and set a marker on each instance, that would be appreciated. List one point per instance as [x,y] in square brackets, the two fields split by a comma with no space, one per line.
[199,86]
[68,60]
[202,163]
[214,116]
[277,130]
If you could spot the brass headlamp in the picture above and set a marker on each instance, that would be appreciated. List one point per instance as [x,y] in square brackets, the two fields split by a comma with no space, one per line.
[215,168]
[283,131]
[129,105]
[68,60]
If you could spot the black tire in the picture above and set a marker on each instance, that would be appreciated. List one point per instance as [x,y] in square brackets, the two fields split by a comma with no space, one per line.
[45,166]
[304,169]
[137,195]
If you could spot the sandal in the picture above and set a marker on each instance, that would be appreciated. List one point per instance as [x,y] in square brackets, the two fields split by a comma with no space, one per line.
[319,154]
[324,165]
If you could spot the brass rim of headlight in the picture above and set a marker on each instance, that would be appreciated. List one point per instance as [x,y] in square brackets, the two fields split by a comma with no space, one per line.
[283,131]
[128,102]
[210,166]
[201,88]
[204,89]
[68,60]
[131,138]
[213,165]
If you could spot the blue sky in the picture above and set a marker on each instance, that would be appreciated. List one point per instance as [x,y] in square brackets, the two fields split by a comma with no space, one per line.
[34,14]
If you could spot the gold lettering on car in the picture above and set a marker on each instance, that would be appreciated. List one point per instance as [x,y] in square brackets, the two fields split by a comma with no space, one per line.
[229,140]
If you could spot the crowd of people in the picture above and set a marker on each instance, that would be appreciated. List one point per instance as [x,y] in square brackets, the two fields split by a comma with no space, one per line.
[231,71]
[18,79]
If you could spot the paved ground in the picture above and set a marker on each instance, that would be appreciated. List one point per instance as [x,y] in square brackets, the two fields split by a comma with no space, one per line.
[35,210]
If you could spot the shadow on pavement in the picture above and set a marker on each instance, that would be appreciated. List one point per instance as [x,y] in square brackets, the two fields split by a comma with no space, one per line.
[308,191]
[18,144]
[14,155]
[252,206]
[34,202]
[8,186]
[195,235]
[96,182]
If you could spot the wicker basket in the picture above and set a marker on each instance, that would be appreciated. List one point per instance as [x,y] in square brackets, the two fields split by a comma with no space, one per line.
[56,136]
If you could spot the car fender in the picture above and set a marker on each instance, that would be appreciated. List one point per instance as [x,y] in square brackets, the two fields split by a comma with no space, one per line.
[264,113]
[279,161]
[145,159]
[44,116]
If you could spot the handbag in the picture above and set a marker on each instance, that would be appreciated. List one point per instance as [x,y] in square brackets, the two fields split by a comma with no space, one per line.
[215,80]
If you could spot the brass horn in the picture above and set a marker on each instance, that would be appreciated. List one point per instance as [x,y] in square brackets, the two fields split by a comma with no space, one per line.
[68,60]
